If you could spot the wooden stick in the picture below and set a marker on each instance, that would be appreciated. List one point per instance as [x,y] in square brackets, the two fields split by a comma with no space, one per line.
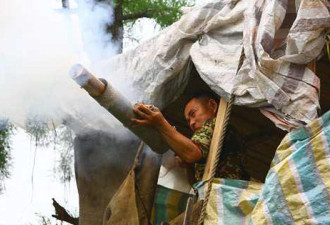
[188,213]
[214,153]
[87,81]
[218,130]
[62,214]
[312,66]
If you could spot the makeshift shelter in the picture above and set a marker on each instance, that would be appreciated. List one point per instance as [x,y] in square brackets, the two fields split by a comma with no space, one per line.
[252,54]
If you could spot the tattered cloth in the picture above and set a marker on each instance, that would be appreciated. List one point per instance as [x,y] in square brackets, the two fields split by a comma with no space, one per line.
[296,190]
[168,204]
[278,38]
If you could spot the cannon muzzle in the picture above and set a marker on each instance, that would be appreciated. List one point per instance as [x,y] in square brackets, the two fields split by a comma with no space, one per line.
[120,107]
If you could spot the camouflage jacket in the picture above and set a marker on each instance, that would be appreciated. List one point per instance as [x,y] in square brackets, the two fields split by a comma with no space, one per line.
[230,164]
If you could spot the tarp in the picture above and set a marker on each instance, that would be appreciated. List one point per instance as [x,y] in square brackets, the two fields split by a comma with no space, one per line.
[133,202]
[296,189]
[297,186]
[277,37]
[168,204]
[231,201]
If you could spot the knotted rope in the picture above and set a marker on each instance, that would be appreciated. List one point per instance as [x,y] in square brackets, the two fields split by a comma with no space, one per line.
[216,161]
[219,148]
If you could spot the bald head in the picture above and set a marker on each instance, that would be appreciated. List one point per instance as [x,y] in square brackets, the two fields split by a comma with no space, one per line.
[199,109]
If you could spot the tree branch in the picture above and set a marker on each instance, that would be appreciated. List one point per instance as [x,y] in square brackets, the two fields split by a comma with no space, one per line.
[62,214]
[120,2]
[65,4]
[134,16]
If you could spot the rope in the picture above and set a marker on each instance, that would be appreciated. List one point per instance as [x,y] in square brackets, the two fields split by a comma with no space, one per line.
[137,156]
[219,149]
[217,159]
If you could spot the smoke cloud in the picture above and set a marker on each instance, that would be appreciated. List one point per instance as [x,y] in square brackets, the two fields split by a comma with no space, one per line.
[38,46]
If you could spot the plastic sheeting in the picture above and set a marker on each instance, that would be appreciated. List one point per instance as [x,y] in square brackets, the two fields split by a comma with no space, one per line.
[277,37]
[232,202]
[296,190]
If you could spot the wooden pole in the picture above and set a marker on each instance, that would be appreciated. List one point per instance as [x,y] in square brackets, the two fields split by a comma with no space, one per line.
[87,81]
[215,152]
[217,133]
[188,213]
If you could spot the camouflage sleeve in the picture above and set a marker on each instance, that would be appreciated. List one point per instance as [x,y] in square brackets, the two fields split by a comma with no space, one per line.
[202,138]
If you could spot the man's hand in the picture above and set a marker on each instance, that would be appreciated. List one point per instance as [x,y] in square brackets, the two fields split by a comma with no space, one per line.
[150,115]
[179,162]
[181,145]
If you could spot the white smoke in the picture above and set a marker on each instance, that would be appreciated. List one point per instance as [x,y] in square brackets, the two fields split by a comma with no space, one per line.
[38,45]
[93,21]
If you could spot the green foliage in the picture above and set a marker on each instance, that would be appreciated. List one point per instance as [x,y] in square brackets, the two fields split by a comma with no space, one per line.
[43,220]
[39,131]
[6,130]
[164,12]
[42,136]
[64,145]
[43,133]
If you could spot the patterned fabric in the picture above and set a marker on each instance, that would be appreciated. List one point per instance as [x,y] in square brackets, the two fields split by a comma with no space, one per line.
[276,40]
[296,190]
[279,37]
[230,164]
[297,187]
[168,204]
[231,202]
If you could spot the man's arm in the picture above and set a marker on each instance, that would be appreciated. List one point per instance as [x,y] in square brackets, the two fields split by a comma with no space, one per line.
[181,145]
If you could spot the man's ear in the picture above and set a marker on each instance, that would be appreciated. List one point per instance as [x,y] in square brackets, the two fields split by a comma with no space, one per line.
[214,105]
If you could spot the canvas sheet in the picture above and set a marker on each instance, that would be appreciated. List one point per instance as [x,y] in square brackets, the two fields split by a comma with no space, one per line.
[296,190]
[231,202]
[277,37]
[297,186]
[168,205]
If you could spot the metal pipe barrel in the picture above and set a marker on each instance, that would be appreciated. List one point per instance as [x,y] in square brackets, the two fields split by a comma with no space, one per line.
[120,107]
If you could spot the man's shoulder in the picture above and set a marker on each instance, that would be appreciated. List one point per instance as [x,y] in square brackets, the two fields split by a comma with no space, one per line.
[206,131]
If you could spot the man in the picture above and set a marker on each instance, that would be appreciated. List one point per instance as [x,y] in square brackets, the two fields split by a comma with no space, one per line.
[200,113]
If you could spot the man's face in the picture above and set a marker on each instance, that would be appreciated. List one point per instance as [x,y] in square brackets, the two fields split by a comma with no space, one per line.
[197,111]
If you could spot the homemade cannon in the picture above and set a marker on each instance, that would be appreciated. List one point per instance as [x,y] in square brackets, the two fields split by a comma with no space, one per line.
[120,107]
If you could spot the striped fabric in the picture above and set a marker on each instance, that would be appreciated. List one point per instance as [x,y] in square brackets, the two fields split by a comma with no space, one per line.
[280,38]
[168,204]
[297,186]
[296,190]
[231,201]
